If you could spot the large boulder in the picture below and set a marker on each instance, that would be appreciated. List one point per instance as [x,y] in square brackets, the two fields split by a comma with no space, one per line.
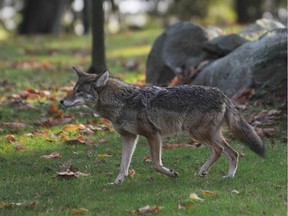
[178,46]
[261,63]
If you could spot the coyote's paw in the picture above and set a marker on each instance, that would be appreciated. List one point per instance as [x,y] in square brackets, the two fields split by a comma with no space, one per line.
[119,180]
[202,173]
[174,173]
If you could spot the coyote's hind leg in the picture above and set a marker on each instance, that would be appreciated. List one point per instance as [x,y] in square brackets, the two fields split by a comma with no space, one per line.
[216,153]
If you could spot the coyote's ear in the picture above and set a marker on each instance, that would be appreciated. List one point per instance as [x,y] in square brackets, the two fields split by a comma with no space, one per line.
[79,72]
[102,79]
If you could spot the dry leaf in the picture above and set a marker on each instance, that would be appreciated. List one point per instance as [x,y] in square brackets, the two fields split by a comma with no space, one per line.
[148,159]
[195,197]
[132,172]
[86,131]
[74,127]
[11,138]
[267,132]
[49,122]
[55,111]
[9,205]
[147,209]
[28,134]
[186,205]
[17,125]
[78,140]
[103,156]
[235,191]
[71,174]
[207,193]
[79,211]
[52,155]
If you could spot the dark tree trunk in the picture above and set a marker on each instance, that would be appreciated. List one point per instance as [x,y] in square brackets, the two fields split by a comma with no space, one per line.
[42,17]
[86,15]
[98,41]
[248,10]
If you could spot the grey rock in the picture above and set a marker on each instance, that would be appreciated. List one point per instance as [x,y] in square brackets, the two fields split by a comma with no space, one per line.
[261,63]
[180,45]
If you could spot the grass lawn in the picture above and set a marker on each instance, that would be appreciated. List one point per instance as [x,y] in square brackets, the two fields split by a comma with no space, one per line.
[36,73]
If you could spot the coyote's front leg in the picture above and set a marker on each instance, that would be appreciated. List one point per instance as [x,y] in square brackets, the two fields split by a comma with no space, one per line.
[155,144]
[130,141]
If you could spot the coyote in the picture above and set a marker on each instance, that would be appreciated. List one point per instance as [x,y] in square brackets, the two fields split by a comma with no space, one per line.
[154,112]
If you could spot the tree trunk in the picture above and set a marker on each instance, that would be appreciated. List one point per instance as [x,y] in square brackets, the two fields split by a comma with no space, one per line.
[248,10]
[86,15]
[42,17]
[98,41]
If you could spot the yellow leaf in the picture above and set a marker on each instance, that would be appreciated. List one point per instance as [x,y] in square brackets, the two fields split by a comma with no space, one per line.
[11,138]
[103,156]
[79,211]
[9,205]
[70,127]
[207,193]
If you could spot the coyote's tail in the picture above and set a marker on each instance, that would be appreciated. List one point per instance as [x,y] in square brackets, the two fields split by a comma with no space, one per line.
[243,131]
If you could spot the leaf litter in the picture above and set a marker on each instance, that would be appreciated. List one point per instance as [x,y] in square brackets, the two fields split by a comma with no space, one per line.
[70,171]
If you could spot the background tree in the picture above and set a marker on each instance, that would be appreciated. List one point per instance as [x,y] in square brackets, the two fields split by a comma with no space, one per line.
[42,16]
[98,64]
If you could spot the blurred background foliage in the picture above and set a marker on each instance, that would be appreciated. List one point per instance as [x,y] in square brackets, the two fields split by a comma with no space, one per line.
[72,16]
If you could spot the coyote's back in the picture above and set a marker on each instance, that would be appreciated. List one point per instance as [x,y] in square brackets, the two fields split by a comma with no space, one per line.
[156,111]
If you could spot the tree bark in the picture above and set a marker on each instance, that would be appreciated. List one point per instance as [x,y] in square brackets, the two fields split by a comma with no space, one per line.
[98,38]
[42,17]
[248,10]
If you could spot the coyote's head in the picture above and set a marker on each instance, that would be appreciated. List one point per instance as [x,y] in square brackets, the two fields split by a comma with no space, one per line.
[85,90]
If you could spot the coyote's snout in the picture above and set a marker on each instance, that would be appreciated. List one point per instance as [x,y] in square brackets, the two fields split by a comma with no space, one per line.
[154,112]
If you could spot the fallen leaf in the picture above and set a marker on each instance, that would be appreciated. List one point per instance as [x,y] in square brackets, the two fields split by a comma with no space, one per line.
[195,197]
[103,156]
[52,155]
[28,134]
[40,133]
[208,193]
[185,205]
[79,211]
[132,172]
[9,205]
[71,174]
[235,191]
[79,140]
[66,174]
[148,159]
[55,111]
[17,125]
[86,131]
[147,209]
[49,122]
[11,138]
[71,127]
[267,132]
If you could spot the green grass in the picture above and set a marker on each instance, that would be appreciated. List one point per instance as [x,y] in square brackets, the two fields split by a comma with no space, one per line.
[27,178]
